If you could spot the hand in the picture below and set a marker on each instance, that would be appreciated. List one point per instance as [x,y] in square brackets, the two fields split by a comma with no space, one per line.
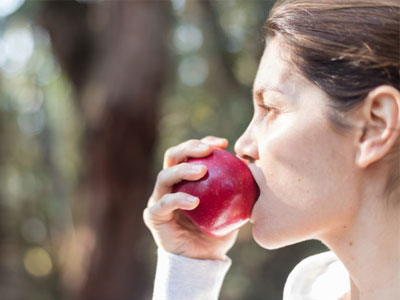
[171,230]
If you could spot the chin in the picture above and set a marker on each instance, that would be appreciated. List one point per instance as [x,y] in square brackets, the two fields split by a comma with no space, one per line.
[272,240]
[265,239]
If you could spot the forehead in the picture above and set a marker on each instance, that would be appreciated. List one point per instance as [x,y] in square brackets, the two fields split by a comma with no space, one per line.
[276,71]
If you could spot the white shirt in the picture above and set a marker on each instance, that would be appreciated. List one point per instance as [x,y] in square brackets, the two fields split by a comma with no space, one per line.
[318,277]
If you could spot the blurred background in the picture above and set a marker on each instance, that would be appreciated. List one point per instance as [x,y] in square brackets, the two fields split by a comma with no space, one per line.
[92,94]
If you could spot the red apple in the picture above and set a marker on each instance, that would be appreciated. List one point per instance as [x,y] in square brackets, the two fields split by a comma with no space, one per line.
[227,193]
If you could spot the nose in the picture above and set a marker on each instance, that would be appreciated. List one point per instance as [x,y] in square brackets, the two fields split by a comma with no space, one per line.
[246,146]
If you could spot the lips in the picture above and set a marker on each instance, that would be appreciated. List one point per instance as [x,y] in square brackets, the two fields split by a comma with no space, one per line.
[255,171]
[257,174]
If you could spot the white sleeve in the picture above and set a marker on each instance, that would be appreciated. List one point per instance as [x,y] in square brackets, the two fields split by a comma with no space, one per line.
[182,278]
[318,277]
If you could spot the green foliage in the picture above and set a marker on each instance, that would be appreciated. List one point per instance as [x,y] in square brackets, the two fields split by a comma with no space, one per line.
[214,56]
[39,159]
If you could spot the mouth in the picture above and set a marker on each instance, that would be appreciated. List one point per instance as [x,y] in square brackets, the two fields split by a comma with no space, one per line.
[255,172]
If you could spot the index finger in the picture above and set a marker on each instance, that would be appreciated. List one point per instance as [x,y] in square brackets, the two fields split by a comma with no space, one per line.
[179,153]
[215,141]
[192,148]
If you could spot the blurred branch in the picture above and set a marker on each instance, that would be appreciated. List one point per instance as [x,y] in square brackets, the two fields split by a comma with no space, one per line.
[115,53]
[66,23]
[220,40]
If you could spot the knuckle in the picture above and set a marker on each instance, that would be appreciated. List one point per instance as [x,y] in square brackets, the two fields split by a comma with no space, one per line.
[208,137]
[179,170]
[169,153]
[160,177]
[167,201]
[193,143]
[163,202]
[146,217]
[145,213]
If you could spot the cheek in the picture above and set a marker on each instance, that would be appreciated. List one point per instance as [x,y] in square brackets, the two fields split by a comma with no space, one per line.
[307,185]
[308,161]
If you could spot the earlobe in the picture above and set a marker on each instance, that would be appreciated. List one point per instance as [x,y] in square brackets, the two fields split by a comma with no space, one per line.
[369,152]
[381,114]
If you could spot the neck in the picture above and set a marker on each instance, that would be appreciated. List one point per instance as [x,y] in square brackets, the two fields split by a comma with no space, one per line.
[369,247]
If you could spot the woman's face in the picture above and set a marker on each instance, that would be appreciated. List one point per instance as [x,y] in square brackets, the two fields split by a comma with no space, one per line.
[304,167]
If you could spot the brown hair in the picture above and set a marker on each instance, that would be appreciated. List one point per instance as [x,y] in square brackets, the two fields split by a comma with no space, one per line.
[347,48]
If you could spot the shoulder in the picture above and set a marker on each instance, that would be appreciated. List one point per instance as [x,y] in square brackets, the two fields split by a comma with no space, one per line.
[320,276]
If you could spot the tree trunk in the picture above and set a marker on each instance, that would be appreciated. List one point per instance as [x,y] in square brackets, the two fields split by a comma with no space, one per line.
[115,55]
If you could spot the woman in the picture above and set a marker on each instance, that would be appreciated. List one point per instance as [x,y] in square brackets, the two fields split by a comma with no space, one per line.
[323,146]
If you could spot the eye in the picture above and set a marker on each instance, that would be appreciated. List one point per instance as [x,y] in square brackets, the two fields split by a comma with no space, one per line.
[266,108]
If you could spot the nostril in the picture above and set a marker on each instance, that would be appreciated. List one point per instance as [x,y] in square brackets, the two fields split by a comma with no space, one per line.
[246,147]
[246,159]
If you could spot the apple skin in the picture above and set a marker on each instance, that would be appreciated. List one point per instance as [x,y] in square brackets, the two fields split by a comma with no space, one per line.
[227,193]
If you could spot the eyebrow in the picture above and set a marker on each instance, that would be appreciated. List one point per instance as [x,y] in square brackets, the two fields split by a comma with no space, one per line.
[286,76]
[265,87]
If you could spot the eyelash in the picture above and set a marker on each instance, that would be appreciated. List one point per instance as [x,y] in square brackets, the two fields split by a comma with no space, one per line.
[267,108]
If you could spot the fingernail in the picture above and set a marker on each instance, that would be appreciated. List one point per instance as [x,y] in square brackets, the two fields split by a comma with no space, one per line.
[197,168]
[191,199]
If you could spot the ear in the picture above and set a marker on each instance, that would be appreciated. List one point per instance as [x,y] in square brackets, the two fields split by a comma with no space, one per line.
[380,115]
